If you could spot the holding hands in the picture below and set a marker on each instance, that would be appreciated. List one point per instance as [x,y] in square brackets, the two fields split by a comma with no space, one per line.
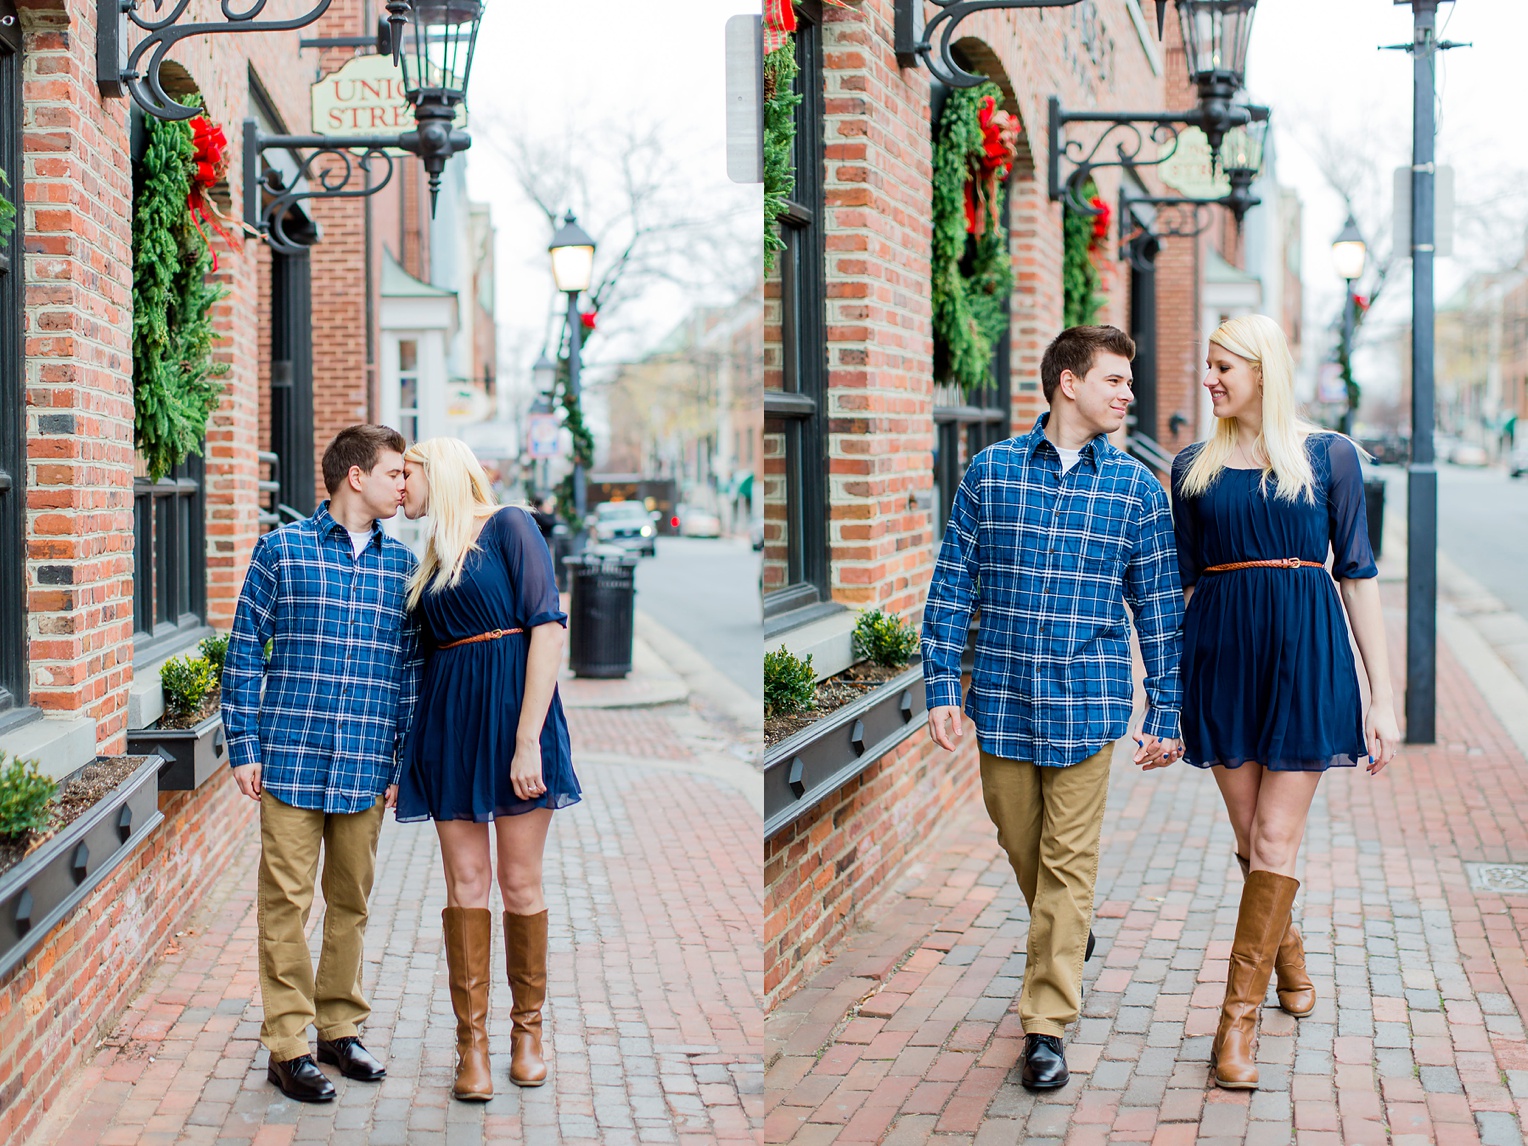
[1157,753]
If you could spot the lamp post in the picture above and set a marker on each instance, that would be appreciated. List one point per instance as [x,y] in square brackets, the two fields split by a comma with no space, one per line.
[1348,257]
[572,251]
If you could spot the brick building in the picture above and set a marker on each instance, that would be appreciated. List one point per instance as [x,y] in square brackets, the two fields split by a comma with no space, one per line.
[864,445]
[103,573]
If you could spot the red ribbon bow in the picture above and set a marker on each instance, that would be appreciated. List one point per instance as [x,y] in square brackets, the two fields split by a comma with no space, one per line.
[779,23]
[1000,148]
[1100,220]
[211,165]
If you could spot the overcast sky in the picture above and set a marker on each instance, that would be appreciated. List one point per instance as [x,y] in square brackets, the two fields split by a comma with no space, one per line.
[573,69]
[1316,63]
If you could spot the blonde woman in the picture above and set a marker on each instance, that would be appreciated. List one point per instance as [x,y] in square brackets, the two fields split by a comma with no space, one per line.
[1270,689]
[489,744]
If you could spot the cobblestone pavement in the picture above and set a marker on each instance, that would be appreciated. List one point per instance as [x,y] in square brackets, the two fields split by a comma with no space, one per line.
[654,1017]
[908,1036]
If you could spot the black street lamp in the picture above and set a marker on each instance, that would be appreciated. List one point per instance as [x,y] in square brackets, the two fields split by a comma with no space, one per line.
[437,58]
[572,251]
[1215,38]
[1348,257]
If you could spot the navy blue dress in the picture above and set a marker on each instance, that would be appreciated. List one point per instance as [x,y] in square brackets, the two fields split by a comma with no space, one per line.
[1268,671]
[457,757]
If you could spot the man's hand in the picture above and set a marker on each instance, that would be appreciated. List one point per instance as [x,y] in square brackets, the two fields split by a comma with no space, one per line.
[247,776]
[946,724]
[1156,753]
[392,796]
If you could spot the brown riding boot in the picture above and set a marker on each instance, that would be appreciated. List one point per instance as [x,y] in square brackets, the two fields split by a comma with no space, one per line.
[1260,923]
[469,951]
[525,959]
[1297,994]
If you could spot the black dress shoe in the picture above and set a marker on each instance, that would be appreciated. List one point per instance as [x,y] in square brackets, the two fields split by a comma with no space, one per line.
[354,1060]
[1043,1063]
[1086,955]
[301,1079]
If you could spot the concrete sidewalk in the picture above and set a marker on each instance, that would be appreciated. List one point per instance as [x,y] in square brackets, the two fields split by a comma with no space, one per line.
[654,1010]
[1416,941]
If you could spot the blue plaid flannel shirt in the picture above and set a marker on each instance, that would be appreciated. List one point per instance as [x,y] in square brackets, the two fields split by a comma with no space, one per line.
[1051,559]
[340,688]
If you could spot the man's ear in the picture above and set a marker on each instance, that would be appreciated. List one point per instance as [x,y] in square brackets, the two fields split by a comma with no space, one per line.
[355,477]
[1067,384]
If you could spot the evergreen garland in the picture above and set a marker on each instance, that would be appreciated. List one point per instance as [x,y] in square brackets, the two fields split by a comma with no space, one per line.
[971,277]
[780,103]
[175,387]
[583,448]
[1080,280]
[7,209]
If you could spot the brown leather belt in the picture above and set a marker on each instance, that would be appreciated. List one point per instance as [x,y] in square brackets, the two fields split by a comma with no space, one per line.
[489,636]
[1278,563]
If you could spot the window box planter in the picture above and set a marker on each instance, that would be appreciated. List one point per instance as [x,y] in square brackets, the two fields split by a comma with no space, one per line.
[191,755]
[809,765]
[51,882]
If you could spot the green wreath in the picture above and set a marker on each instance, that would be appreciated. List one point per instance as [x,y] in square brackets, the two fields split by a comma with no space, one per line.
[1080,281]
[780,103]
[7,209]
[971,277]
[175,380]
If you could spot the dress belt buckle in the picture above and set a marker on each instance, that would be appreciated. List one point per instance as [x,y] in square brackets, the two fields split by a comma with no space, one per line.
[1292,563]
[496,633]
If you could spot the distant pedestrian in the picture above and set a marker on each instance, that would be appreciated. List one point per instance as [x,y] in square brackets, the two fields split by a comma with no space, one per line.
[545,515]
[1052,534]
[489,744]
[314,736]
[1271,697]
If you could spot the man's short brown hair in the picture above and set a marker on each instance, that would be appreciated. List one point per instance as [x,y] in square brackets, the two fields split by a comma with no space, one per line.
[358,446]
[1076,349]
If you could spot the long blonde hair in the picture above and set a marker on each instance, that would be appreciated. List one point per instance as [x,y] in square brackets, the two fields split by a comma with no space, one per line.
[1259,340]
[460,495]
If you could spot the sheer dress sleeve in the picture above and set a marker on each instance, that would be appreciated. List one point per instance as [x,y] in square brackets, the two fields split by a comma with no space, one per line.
[1347,517]
[530,569]
[1186,523]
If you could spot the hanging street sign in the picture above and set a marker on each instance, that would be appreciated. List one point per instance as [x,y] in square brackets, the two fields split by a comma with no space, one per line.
[1189,171]
[366,95]
[543,436]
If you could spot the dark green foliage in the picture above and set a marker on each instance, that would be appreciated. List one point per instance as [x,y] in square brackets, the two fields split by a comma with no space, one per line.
[971,277]
[884,638]
[26,797]
[215,651]
[175,386]
[583,448]
[1080,281]
[780,102]
[790,685]
[186,682]
[7,209]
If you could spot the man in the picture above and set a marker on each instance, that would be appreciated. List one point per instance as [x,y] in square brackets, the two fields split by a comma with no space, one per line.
[1052,533]
[320,748]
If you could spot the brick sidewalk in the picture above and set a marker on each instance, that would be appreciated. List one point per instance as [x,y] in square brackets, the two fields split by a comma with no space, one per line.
[654,1014]
[909,1036]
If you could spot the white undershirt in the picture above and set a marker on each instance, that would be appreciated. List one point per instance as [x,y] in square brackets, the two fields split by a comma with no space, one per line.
[1068,457]
[362,539]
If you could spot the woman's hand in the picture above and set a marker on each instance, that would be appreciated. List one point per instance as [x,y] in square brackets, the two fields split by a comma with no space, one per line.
[1383,734]
[525,770]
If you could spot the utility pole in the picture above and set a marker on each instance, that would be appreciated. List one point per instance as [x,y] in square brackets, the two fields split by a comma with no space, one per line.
[1422,471]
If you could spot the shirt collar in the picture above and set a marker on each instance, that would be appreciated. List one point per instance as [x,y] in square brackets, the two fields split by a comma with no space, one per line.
[1037,435]
[325,523]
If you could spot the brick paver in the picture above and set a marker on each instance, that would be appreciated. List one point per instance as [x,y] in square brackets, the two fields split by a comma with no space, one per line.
[654,1008]
[909,1036]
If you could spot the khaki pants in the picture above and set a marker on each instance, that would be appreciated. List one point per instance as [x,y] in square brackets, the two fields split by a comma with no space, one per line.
[289,847]
[1049,821]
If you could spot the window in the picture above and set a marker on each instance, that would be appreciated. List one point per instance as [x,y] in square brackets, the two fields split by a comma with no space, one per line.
[408,389]
[170,558]
[795,478]
[13,647]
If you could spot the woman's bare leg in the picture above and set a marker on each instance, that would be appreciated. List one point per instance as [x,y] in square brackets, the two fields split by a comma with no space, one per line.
[1283,803]
[521,842]
[1239,789]
[469,870]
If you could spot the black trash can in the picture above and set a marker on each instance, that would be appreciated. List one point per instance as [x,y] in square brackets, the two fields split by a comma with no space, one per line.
[602,613]
[1374,508]
[562,545]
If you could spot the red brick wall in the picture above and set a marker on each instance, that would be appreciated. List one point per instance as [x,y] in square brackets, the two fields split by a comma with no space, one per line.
[830,869]
[71,989]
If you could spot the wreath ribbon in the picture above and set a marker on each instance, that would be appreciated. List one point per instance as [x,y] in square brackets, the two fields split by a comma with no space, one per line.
[1000,149]
[210,166]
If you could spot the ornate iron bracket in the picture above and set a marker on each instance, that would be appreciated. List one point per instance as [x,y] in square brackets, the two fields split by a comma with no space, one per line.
[122,71]
[1130,132]
[933,42]
[331,169]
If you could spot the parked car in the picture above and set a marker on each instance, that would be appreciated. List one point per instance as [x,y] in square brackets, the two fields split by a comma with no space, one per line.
[1469,454]
[627,524]
[1517,464]
[696,522]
